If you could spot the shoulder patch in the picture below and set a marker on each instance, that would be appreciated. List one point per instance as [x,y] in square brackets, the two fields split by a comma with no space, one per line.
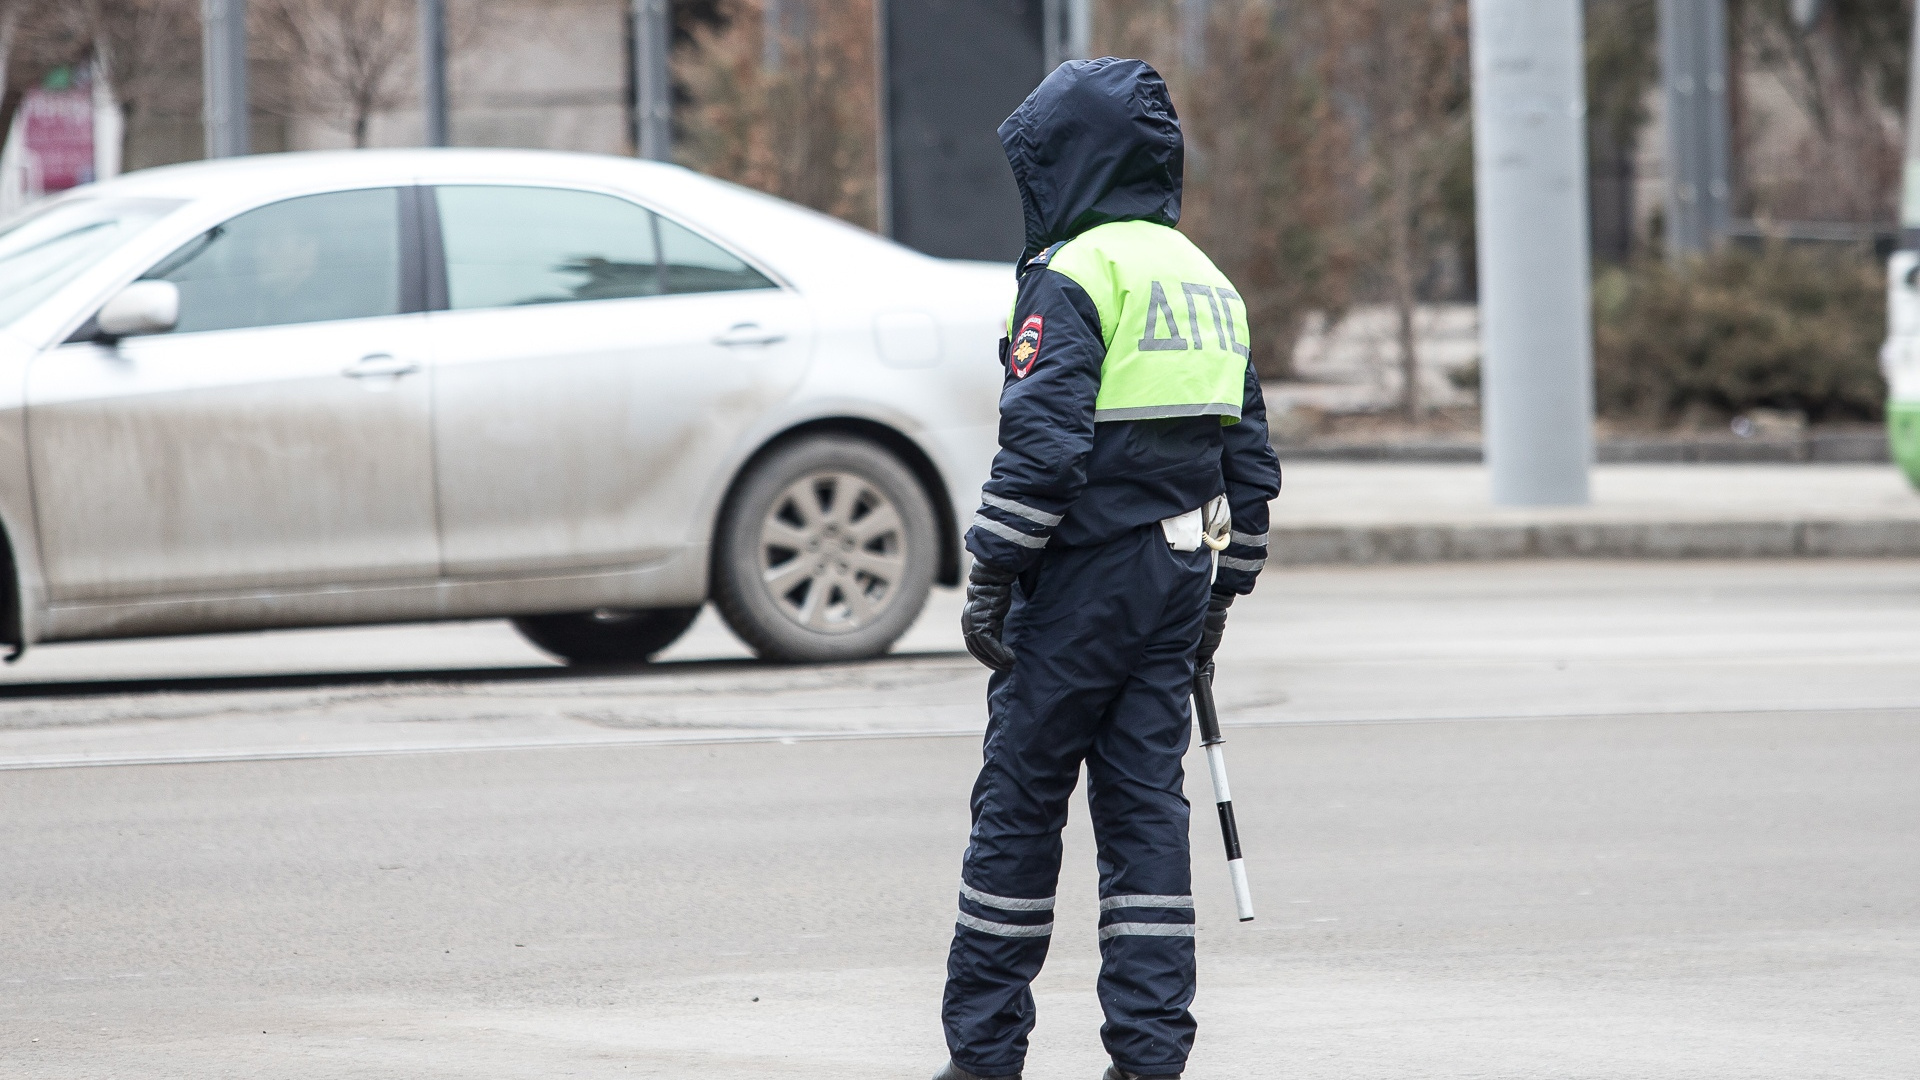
[1046,255]
[1026,347]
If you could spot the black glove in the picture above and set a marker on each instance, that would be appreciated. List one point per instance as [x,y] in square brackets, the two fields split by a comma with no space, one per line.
[982,620]
[1213,628]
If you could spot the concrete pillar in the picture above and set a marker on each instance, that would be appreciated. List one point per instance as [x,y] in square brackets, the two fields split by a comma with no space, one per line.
[223,41]
[433,70]
[653,89]
[1693,82]
[1530,196]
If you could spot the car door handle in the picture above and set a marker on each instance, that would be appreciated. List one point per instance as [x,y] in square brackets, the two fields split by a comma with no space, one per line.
[380,366]
[748,333]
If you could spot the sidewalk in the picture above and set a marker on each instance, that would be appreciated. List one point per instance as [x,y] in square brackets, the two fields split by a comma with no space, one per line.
[1384,513]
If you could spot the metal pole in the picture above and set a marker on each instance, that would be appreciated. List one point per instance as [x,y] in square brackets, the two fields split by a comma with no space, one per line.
[1910,169]
[883,112]
[653,104]
[1693,76]
[1530,195]
[1193,36]
[1053,35]
[773,28]
[433,69]
[1069,31]
[224,86]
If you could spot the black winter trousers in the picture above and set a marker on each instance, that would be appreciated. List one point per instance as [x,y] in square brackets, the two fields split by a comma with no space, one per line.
[1104,639]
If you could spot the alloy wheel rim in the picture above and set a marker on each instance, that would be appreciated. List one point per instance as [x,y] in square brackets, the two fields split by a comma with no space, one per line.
[832,552]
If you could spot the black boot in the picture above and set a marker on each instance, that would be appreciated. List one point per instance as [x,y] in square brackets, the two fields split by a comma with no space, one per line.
[955,1072]
[1115,1072]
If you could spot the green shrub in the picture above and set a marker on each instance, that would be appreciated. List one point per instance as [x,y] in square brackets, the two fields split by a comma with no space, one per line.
[1779,327]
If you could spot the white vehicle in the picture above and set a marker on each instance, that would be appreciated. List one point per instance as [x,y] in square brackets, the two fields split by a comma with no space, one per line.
[585,393]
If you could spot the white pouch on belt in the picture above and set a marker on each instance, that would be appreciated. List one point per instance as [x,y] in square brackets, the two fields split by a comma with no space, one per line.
[1183,530]
[1203,525]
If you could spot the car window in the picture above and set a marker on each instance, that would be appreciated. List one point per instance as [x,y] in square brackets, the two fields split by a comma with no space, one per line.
[694,264]
[508,246]
[51,244]
[312,259]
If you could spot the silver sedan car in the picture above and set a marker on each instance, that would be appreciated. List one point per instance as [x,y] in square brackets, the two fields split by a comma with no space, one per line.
[585,393]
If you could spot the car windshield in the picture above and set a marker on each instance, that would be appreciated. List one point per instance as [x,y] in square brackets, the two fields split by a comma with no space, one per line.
[50,246]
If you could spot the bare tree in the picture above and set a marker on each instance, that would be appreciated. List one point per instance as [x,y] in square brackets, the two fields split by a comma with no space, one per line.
[806,130]
[1847,74]
[146,50]
[1266,193]
[344,60]
[9,30]
[1622,65]
[32,41]
[1403,63]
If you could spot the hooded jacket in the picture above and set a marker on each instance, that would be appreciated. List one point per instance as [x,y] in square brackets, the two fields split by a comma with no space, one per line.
[1098,142]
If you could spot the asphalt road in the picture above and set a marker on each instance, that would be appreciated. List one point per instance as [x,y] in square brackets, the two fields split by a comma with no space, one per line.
[1535,820]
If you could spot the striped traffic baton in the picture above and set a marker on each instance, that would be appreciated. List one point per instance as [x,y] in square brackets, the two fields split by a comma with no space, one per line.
[1210,738]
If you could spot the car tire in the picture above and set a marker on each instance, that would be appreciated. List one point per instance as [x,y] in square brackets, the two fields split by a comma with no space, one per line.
[826,551]
[607,636]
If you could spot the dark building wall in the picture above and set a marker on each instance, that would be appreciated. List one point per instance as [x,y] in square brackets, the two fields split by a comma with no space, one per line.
[955,70]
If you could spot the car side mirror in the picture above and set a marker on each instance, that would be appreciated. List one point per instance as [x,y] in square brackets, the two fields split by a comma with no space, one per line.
[144,307]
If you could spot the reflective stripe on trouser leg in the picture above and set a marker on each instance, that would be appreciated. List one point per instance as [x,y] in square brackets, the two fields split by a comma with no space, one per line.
[1093,619]
[1005,916]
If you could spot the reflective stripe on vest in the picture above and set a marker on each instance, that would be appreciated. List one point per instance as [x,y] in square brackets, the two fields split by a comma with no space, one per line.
[1175,329]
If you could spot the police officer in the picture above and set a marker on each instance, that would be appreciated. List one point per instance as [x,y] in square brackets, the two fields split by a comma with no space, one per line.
[1129,409]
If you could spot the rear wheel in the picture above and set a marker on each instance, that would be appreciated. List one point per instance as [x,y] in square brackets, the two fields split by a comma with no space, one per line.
[826,551]
[607,635]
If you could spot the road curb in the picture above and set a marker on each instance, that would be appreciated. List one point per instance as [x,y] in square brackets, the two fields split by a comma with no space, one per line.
[1316,545]
[1851,447]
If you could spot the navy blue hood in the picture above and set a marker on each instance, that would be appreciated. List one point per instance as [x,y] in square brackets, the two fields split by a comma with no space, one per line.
[1096,141]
